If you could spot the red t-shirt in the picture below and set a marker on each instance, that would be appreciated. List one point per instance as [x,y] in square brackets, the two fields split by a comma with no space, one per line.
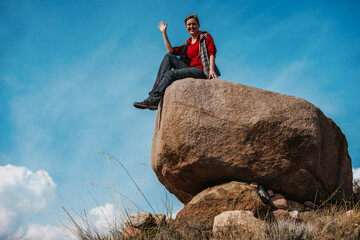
[193,51]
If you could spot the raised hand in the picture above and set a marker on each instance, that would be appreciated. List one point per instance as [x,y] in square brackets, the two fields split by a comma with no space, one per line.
[162,26]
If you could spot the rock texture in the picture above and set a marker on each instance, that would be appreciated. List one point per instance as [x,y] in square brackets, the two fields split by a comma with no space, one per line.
[138,220]
[295,205]
[202,209]
[280,214]
[241,221]
[294,215]
[278,202]
[208,132]
[131,233]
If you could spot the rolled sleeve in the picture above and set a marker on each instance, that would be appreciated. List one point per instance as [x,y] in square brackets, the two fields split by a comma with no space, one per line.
[177,50]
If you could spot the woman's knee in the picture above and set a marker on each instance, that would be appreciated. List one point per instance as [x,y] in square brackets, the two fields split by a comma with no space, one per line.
[169,55]
[169,76]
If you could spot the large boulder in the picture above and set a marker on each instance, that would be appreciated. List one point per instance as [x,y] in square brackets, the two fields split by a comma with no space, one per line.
[208,132]
[200,212]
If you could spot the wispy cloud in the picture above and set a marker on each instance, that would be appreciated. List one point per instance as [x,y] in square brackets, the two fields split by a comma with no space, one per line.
[37,231]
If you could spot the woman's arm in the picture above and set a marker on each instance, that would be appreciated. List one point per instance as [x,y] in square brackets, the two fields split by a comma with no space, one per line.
[163,28]
[212,73]
[212,52]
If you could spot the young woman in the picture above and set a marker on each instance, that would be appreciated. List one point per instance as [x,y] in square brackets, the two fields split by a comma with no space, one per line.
[197,60]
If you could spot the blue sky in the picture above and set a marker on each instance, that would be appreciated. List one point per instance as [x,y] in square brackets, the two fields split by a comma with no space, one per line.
[71,70]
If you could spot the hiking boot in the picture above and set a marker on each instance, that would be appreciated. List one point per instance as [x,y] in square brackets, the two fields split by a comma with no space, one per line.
[147,104]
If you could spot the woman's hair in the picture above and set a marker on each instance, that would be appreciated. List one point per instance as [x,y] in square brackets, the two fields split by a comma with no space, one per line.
[194,16]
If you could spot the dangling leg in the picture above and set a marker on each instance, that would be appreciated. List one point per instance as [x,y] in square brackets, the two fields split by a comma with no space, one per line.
[165,77]
[169,61]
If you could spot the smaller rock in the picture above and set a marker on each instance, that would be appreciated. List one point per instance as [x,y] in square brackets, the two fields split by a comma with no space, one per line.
[254,185]
[270,193]
[309,204]
[138,220]
[202,209]
[131,232]
[308,209]
[159,218]
[293,205]
[350,213]
[242,220]
[263,194]
[295,215]
[278,201]
[280,214]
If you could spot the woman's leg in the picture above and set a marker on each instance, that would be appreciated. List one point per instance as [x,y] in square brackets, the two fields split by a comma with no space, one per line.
[170,61]
[172,75]
[165,77]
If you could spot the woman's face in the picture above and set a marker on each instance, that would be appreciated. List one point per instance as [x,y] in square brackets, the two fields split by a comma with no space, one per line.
[192,26]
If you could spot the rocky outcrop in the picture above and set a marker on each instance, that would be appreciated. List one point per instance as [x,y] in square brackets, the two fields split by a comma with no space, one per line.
[208,132]
[201,210]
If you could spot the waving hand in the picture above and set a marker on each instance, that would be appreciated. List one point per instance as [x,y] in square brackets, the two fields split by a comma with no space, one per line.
[162,26]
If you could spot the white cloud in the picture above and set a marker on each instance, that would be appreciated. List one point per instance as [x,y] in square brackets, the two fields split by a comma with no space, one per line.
[21,190]
[37,231]
[104,216]
[356,173]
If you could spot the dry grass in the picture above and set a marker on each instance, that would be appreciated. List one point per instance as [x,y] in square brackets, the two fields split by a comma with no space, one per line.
[332,221]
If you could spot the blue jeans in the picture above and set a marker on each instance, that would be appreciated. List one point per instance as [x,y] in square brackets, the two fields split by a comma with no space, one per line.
[166,76]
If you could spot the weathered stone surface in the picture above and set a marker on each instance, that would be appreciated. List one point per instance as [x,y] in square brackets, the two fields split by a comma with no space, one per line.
[280,214]
[293,205]
[350,213]
[294,215]
[254,185]
[131,233]
[139,220]
[270,193]
[278,202]
[309,204]
[211,131]
[243,221]
[202,209]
